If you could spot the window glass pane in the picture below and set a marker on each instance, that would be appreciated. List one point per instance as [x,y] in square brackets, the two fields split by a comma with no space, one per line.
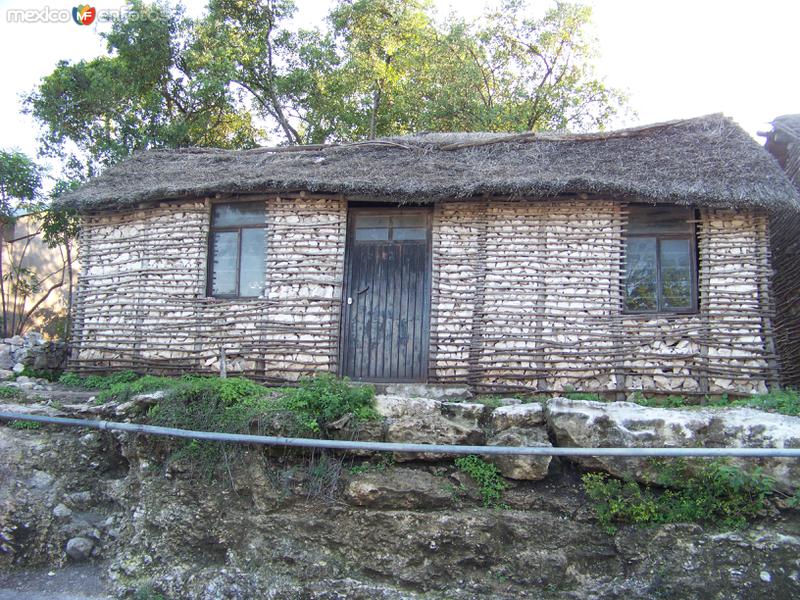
[223,267]
[251,278]
[372,235]
[243,213]
[371,221]
[640,280]
[410,233]
[408,221]
[655,220]
[676,273]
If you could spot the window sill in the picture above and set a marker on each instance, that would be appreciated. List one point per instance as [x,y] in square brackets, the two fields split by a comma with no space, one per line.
[223,299]
[661,314]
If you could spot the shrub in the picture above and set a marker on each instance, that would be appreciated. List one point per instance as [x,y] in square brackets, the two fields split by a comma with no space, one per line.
[321,400]
[237,405]
[487,476]
[716,494]
[41,374]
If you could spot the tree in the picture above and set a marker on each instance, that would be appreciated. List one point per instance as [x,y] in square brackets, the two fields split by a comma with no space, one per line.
[391,69]
[20,184]
[252,50]
[378,67]
[60,227]
[155,88]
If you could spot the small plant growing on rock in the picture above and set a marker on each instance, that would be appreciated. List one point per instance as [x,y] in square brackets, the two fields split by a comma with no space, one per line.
[11,392]
[716,494]
[487,476]
[25,425]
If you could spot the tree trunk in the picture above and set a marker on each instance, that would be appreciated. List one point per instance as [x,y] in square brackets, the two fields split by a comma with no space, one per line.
[2,283]
[373,117]
[68,324]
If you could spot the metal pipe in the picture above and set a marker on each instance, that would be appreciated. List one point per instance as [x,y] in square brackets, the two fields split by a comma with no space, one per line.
[398,447]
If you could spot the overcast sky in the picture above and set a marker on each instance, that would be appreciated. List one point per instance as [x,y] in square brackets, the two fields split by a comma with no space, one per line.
[676,59]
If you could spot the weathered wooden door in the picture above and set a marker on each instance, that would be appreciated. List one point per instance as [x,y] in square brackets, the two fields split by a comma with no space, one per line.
[386,308]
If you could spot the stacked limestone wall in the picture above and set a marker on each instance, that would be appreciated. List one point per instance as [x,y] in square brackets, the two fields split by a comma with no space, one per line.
[525,295]
[528,295]
[142,293]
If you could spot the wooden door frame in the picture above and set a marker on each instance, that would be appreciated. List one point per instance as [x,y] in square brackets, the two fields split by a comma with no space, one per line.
[354,209]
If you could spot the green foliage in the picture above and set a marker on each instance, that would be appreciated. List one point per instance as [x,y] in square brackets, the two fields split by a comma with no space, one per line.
[323,399]
[98,382]
[671,401]
[376,67]
[71,379]
[25,425]
[41,373]
[148,592]
[490,400]
[715,493]
[786,402]
[11,392]
[386,461]
[156,86]
[232,405]
[386,67]
[583,396]
[20,182]
[487,476]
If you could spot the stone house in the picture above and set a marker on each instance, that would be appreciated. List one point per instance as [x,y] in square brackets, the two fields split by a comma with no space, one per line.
[783,142]
[629,260]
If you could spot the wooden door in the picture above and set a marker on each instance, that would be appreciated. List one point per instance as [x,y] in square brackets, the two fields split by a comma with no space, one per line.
[387,290]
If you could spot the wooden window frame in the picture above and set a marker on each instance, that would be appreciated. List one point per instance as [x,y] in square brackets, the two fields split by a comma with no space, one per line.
[691,237]
[210,261]
[391,213]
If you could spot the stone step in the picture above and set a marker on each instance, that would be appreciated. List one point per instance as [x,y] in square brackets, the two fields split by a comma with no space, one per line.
[444,393]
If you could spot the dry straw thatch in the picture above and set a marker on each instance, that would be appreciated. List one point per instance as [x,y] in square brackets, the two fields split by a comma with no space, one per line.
[706,161]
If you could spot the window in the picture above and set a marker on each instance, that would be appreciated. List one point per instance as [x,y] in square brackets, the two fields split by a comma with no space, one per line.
[661,271]
[236,250]
[408,227]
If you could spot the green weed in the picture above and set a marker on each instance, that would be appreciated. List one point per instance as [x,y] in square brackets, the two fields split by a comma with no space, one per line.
[487,476]
[98,382]
[716,494]
[583,396]
[25,425]
[11,392]
[785,402]
[40,374]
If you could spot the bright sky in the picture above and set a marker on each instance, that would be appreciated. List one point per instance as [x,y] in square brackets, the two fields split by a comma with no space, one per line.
[676,59]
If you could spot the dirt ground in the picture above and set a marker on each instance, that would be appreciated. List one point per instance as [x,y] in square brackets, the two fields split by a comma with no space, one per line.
[73,582]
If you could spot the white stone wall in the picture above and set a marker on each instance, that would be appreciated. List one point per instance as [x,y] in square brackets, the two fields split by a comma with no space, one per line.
[550,317]
[142,293]
[525,295]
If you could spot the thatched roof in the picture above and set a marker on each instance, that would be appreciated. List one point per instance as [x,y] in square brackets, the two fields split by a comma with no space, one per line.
[706,161]
[784,143]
